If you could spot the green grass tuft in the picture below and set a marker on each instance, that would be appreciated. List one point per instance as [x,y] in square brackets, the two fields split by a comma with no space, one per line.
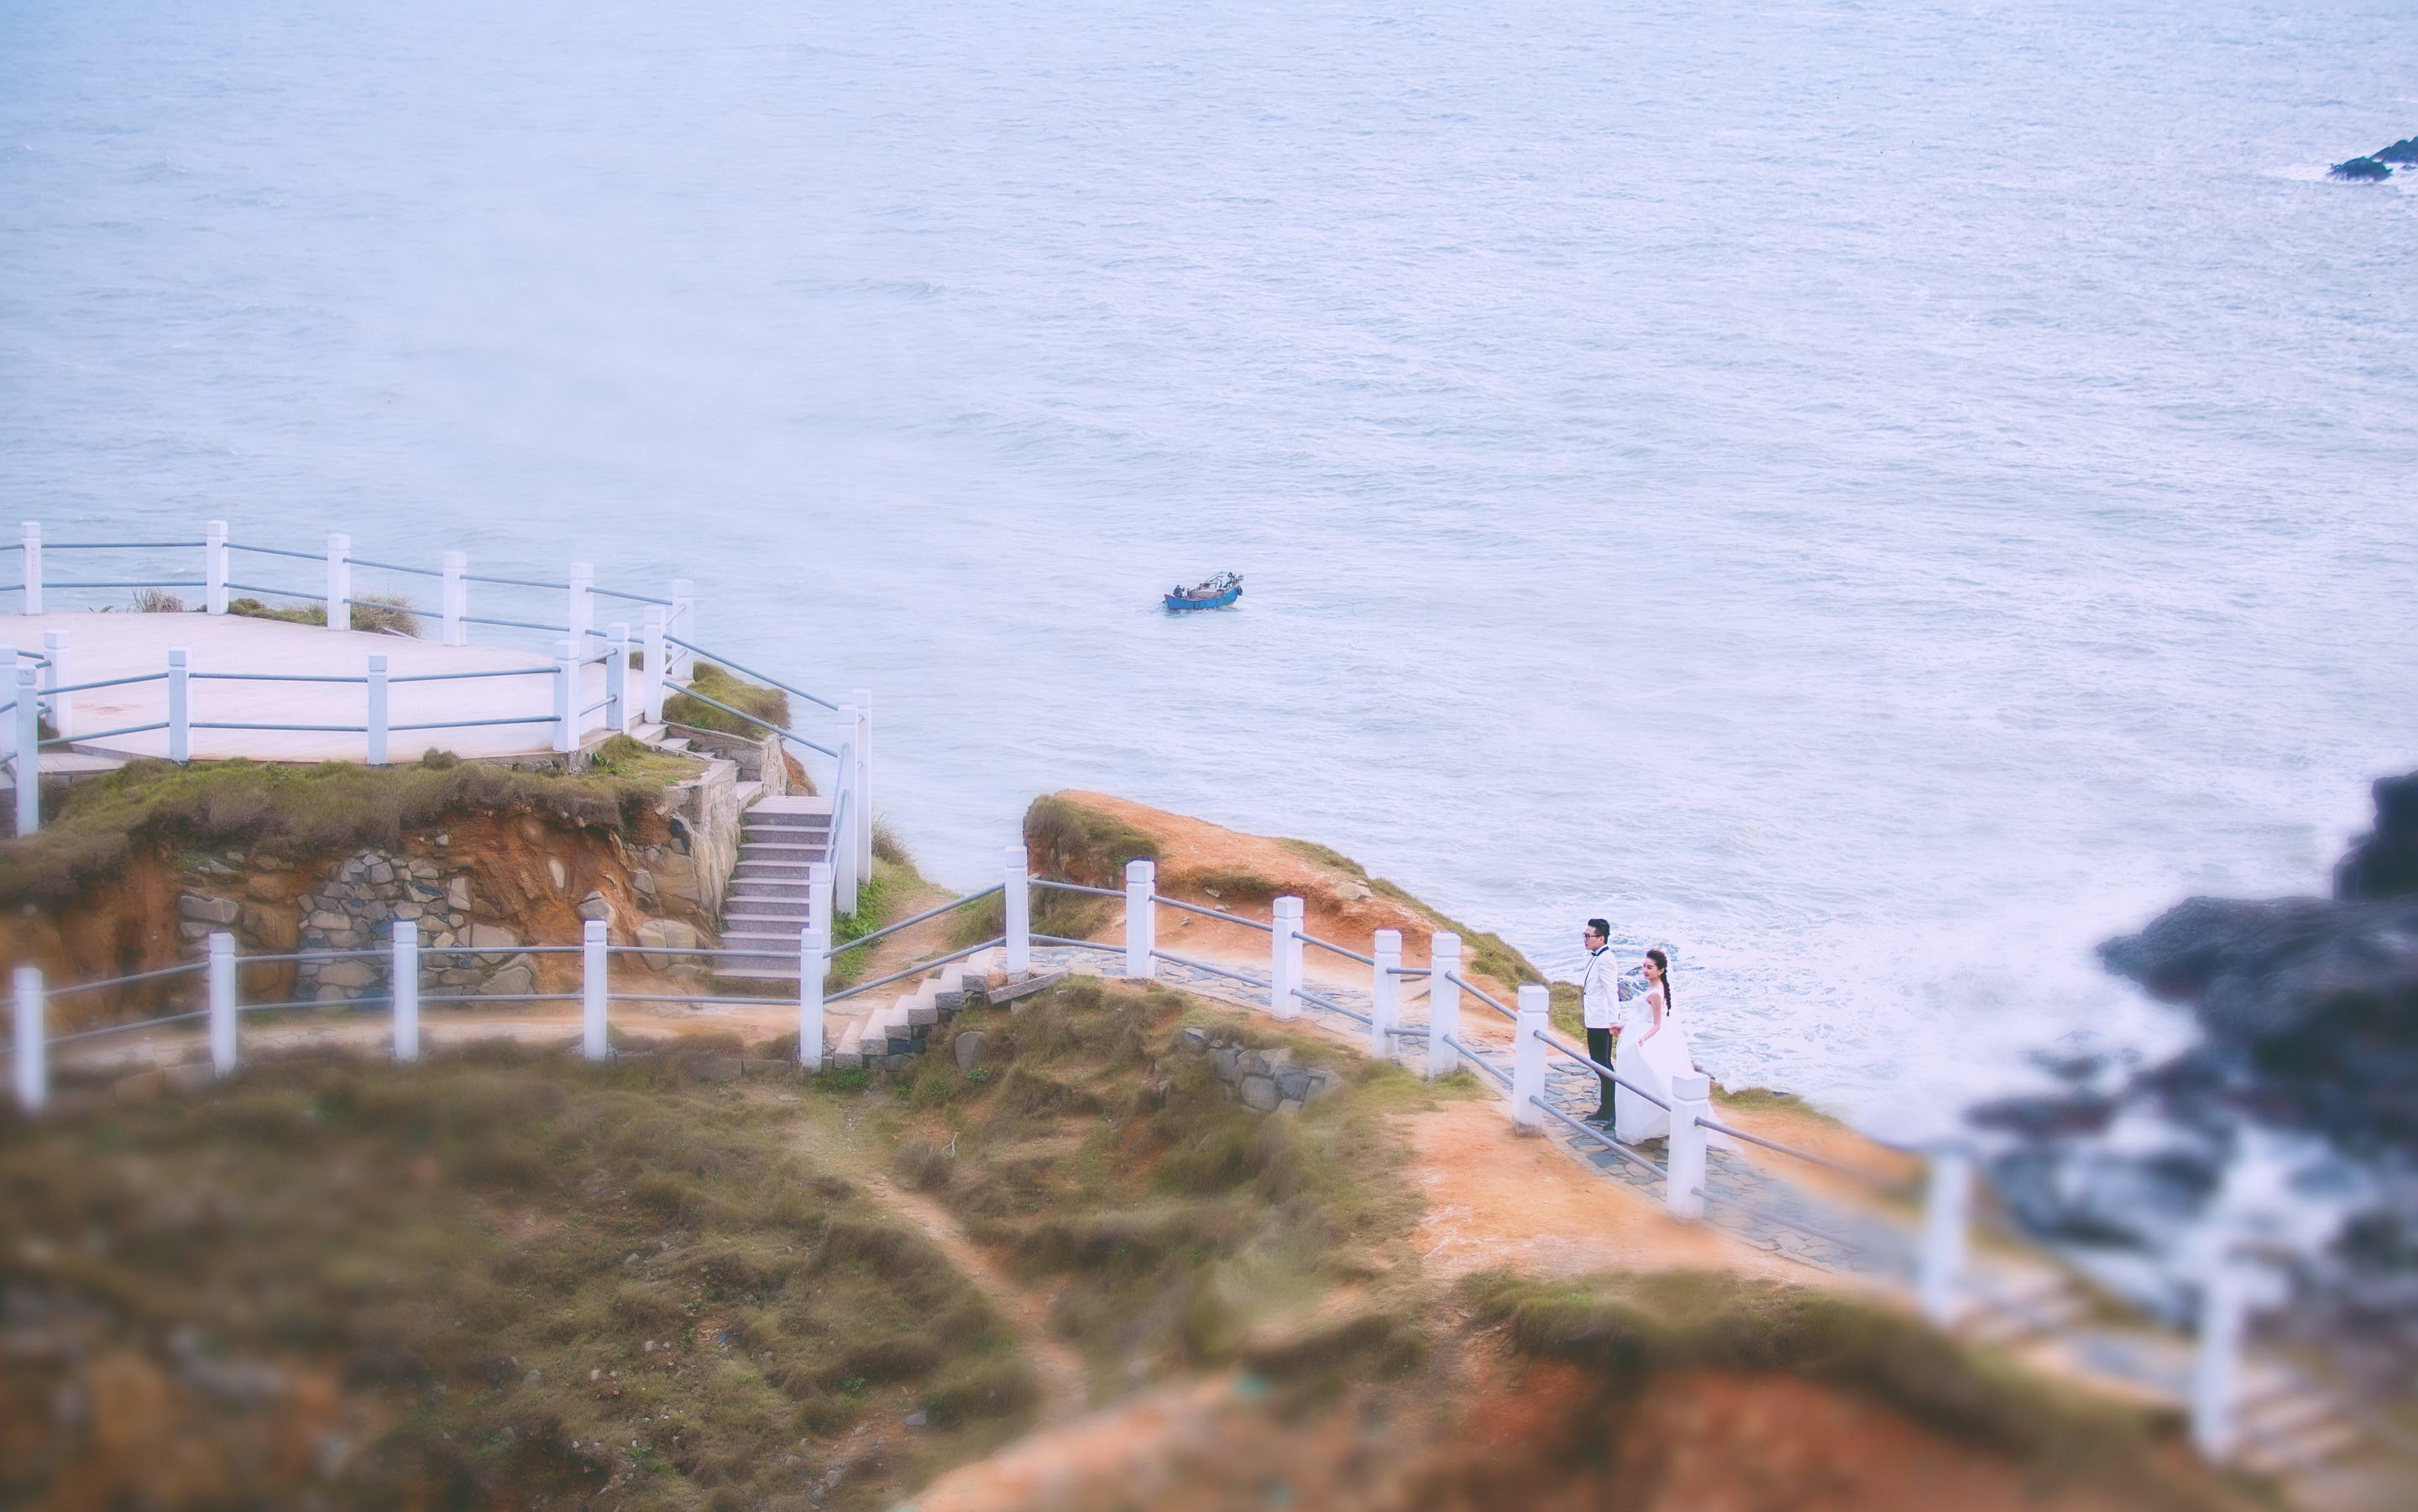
[721,684]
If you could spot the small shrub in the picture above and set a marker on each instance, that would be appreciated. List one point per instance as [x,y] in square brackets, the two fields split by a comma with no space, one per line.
[1075,842]
[386,614]
[157,601]
[722,685]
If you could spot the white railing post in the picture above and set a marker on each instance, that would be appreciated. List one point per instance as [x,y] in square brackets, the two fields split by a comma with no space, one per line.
[32,558]
[220,981]
[214,567]
[1939,1281]
[29,751]
[33,1048]
[1142,914]
[1692,1102]
[1016,896]
[1385,993]
[864,783]
[376,710]
[814,957]
[579,615]
[404,973]
[1284,958]
[616,678]
[566,697]
[2216,1369]
[454,597]
[1528,1061]
[651,683]
[820,901]
[683,624]
[593,1041]
[340,581]
[180,705]
[58,671]
[1444,1005]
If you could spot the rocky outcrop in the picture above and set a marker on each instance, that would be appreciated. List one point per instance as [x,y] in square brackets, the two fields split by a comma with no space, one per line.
[2308,1012]
[2366,170]
[2405,151]
[1263,1080]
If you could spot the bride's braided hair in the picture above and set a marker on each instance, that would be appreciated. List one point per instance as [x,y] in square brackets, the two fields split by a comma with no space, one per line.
[1664,961]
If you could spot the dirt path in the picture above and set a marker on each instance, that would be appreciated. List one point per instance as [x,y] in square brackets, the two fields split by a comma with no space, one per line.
[1064,1388]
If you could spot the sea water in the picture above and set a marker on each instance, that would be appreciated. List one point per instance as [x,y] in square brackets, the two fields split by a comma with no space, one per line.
[1874,496]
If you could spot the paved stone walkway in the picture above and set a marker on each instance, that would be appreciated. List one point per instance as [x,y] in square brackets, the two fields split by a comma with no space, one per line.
[1742,1200]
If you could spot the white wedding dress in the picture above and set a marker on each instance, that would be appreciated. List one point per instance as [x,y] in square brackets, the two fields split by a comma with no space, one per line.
[1647,1063]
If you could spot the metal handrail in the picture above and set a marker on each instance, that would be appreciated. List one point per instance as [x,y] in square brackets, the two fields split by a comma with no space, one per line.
[102,735]
[277,551]
[107,682]
[471,724]
[1614,1145]
[1204,965]
[546,671]
[515,582]
[394,566]
[140,582]
[1330,1006]
[634,598]
[1480,994]
[929,913]
[1079,945]
[319,729]
[270,677]
[720,660]
[1314,940]
[1077,887]
[120,1029]
[1210,913]
[913,970]
[123,981]
[282,594]
[1871,1178]
[517,624]
[118,546]
[1478,1061]
[1605,1071]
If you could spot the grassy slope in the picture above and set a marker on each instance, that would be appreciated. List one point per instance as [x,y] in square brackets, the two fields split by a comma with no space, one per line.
[289,813]
[523,1277]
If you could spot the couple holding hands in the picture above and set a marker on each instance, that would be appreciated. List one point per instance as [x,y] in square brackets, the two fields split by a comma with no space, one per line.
[1653,1048]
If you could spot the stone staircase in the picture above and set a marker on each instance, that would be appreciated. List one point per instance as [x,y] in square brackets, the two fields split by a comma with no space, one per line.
[767,905]
[887,1034]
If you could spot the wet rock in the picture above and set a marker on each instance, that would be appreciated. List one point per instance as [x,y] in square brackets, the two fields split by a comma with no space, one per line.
[2383,862]
[2361,170]
[2046,1118]
[2405,151]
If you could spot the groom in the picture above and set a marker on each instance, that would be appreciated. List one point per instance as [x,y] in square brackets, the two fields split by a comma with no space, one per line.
[1599,1002]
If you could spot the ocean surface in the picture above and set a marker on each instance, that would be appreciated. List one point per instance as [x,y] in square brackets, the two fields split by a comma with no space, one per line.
[1876,497]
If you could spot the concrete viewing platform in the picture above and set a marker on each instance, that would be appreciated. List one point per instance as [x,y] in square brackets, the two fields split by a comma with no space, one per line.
[514,685]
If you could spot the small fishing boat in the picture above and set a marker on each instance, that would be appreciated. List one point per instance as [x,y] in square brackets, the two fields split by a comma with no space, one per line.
[1216,593]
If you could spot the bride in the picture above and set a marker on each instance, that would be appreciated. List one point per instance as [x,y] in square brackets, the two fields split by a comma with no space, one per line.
[1653,1049]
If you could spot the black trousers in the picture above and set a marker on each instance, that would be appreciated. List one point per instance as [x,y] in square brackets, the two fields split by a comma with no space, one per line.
[1600,1052]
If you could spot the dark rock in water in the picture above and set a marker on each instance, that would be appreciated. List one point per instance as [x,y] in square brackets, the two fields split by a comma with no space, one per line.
[2383,863]
[2405,151]
[2362,169]
[2308,1012]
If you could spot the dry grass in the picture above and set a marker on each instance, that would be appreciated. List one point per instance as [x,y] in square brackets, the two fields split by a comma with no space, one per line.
[1189,1231]
[156,600]
[385,613]
[491,1281]
[287,812]
[1628,1330]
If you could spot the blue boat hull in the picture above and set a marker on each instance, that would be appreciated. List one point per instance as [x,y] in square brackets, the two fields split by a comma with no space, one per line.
[1182,601]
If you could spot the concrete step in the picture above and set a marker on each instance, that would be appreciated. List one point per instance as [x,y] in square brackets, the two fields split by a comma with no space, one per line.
[781,850]
[749,792]
[768,887]
[791,911]
[849,1052]
[767,871]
